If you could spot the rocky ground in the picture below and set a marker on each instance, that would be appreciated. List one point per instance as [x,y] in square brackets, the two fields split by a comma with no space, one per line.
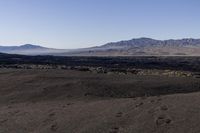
[71,101]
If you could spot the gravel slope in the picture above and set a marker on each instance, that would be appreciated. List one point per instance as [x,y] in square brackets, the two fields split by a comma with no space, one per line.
[63,101]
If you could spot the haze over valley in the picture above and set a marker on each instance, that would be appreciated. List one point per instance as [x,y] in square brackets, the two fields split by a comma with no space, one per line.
[134,47]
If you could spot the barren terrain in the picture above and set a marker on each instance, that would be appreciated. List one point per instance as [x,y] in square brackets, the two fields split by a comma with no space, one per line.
[70,101]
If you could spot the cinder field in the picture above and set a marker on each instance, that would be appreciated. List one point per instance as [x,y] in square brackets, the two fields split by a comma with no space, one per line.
[71,101]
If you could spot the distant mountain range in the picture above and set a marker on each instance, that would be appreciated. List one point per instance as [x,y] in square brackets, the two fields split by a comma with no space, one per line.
[29,49]
[134,47]
[144,47]
[148,42]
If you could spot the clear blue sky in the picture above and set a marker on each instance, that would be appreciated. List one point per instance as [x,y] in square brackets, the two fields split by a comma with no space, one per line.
[85,23]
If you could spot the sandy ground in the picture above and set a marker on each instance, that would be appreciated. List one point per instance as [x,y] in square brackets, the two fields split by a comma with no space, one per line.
[48,101]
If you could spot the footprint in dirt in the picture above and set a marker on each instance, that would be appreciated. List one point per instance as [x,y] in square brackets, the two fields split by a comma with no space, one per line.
[114,130]
[160,108]
[54,127]
[156,100]
[139,104]
[52,114]
[159,99]
[152,101]
[9,107]
[68,104]
[3,121]
[162,120]
[119,114]
[14,112]
[163,108]
[50,117]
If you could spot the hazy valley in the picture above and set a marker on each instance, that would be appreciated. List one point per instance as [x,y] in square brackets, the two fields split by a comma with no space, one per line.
[134,47]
